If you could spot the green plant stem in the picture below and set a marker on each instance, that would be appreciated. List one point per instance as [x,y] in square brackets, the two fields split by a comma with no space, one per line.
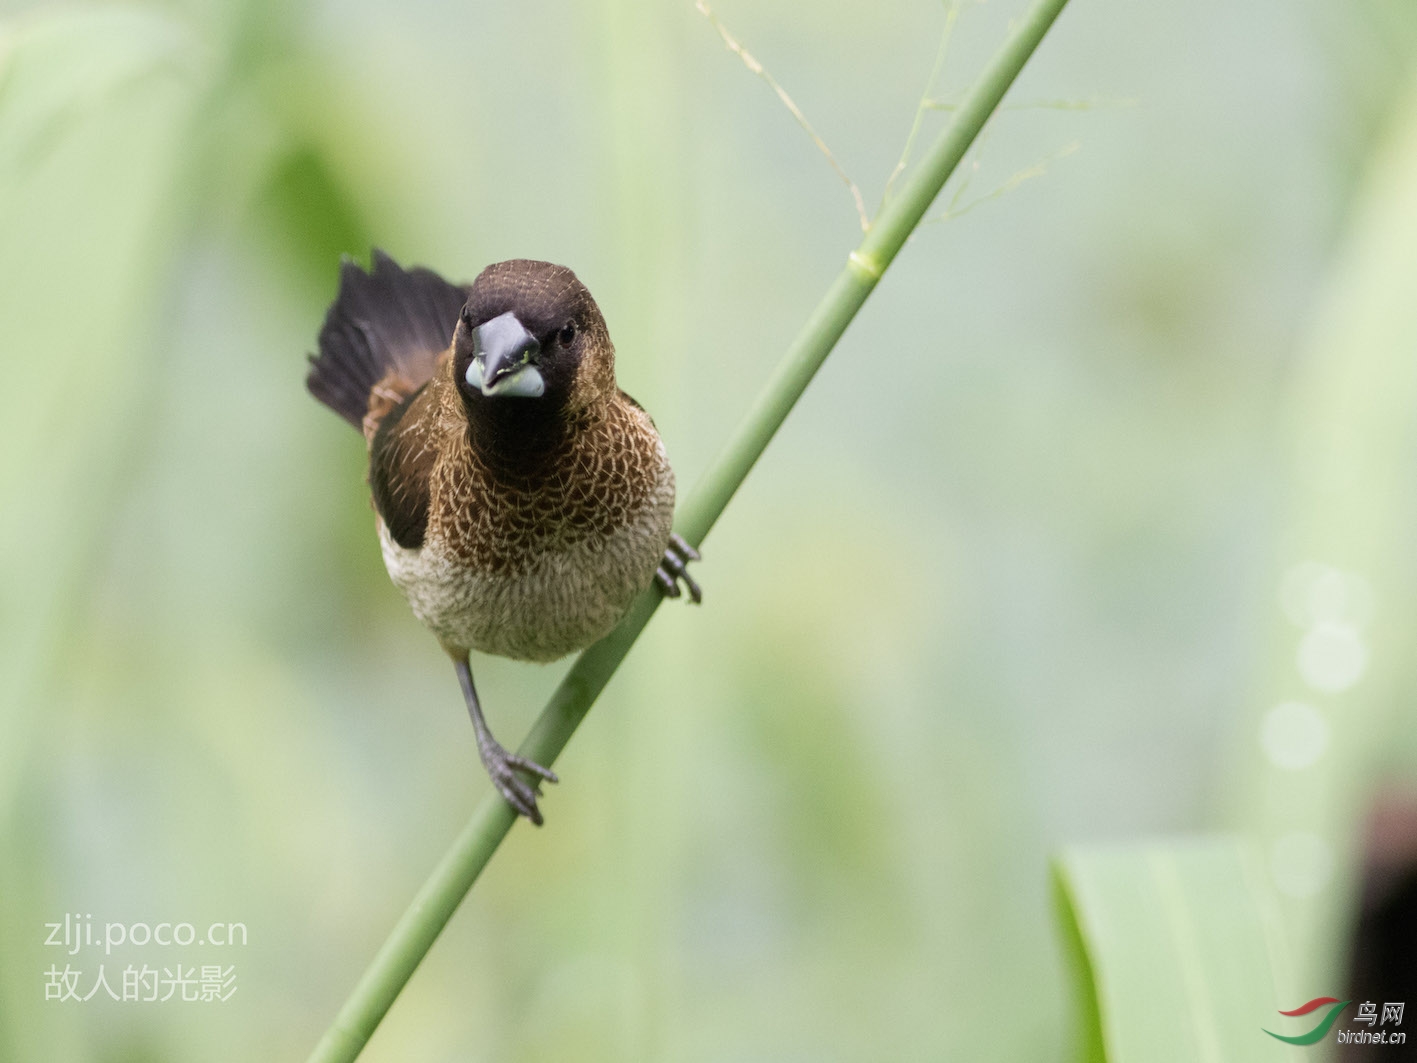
[455,874]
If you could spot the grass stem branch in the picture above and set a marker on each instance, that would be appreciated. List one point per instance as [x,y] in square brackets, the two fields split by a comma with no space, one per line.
[751,62]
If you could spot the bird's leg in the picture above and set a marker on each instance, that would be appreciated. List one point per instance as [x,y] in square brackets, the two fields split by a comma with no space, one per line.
[501,765]
[674,568]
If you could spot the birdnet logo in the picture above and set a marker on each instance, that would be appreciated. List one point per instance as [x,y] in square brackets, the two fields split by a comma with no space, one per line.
[1368,1015]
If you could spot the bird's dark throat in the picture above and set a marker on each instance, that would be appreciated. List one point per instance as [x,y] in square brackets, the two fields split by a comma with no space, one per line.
[519,439]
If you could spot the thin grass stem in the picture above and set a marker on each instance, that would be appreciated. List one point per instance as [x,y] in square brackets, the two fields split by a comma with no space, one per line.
[951,17]
[751,62]
[1085,103]
[1028,173]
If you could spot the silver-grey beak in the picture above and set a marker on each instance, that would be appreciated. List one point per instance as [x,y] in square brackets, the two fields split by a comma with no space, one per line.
[504,359]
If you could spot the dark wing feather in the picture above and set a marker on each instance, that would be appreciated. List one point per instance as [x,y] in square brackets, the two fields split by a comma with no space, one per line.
[389,324]
[400,464]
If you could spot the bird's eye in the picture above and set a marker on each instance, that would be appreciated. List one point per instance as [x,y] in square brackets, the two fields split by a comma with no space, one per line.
[567,335]
[467,315]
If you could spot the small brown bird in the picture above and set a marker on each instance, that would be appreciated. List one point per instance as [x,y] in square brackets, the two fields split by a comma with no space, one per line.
[523,500]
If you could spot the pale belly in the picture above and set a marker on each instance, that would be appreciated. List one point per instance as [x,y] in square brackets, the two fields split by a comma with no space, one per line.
[562,601]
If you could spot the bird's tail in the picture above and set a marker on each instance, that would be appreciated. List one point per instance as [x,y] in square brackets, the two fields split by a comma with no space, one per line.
[382,334]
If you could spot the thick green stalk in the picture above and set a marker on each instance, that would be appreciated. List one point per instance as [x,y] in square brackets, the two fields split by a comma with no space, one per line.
[451,880]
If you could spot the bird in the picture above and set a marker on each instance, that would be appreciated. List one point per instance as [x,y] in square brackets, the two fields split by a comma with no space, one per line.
[522,500]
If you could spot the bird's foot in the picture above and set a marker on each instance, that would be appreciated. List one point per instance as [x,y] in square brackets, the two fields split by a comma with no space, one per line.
[674,568]
[503,768]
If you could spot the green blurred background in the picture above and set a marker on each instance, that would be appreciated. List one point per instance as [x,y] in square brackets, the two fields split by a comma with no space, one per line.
[1107,470]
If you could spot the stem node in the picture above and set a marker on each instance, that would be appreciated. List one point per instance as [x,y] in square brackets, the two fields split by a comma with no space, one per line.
[867,266]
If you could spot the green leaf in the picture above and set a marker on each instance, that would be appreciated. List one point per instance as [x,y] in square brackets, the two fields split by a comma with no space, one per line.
[1177,953]
[96,111]
[95,120]
[1350,422]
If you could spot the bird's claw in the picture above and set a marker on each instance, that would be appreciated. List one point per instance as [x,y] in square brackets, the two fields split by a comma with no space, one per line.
[521,795]
[674,568]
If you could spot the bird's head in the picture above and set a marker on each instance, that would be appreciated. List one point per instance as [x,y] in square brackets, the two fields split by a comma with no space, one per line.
[530,333]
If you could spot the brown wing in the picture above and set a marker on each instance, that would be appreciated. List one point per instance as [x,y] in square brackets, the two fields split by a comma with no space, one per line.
[400,464]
